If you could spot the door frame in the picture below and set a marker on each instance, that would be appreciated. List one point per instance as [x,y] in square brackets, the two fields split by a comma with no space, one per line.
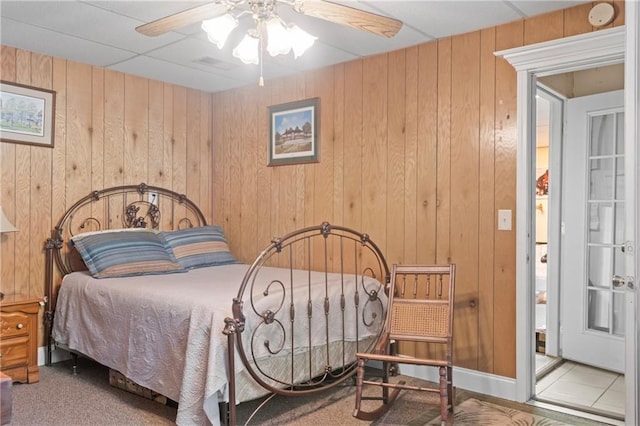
[597,48]
[554,205]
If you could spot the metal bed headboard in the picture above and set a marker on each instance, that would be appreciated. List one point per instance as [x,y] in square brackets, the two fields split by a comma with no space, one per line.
[325,249]
[127,206]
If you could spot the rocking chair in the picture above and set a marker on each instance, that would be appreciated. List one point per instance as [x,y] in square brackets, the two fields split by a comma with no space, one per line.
[420,310]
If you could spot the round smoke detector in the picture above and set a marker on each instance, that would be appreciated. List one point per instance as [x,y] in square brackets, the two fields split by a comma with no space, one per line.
[601,14]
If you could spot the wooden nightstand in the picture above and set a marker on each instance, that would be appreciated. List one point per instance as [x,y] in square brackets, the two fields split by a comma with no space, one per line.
[19,337]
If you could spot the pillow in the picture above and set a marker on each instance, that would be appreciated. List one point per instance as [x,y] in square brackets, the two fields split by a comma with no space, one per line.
[200,246]
[120,254]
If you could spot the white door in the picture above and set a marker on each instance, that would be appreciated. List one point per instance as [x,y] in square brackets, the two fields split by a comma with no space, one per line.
[592,328]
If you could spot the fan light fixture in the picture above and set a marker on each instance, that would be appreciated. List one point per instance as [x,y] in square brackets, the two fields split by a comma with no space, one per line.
[280,37]
[270,33]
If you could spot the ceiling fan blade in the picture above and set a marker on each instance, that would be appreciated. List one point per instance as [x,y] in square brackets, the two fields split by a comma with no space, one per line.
[367,21]
[182,19]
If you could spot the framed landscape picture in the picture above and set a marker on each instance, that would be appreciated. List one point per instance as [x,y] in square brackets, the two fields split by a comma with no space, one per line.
[293,136]
[26,114]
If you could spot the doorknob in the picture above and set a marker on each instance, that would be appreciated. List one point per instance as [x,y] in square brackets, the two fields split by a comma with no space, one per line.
[619,281]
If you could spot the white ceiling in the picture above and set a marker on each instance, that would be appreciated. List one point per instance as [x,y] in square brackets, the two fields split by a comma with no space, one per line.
[103,33]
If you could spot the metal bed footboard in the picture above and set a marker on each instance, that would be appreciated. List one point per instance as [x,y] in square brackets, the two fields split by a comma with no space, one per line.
[338,265]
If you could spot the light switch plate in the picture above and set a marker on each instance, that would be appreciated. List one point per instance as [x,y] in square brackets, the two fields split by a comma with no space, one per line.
[504,220]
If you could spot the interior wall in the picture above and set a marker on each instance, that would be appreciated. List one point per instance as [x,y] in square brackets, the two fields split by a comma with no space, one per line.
[417,149]
[110,129]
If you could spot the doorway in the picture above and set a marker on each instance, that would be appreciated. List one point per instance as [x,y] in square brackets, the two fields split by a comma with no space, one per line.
[575,187]
[599,48]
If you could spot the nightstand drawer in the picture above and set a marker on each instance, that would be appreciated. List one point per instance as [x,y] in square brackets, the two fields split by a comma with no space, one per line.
[19,337]
[14,352]
[14,324]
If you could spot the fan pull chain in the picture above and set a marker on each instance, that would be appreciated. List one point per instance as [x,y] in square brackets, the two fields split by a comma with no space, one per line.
[261,81]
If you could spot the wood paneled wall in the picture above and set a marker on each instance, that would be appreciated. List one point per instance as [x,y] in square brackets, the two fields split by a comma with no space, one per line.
[110,129]
[417,148]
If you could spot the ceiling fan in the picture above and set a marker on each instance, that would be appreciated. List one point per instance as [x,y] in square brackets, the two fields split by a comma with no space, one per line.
[263,9]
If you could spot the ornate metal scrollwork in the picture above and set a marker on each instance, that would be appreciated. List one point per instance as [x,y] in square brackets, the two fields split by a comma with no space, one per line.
[277,243]
[325,229]
[132,220]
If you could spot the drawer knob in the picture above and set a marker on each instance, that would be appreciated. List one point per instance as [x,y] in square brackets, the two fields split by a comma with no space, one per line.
[20,326]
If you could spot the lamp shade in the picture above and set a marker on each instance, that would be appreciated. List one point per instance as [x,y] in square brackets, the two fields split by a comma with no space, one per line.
[5,225]
[278,38]
[300,40]
[247,51]
[218,29]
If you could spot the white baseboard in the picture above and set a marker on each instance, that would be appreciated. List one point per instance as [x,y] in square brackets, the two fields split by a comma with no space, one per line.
[56,355]
[463,378]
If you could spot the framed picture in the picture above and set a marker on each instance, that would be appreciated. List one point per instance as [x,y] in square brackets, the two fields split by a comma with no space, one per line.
[293,135]
[26,114]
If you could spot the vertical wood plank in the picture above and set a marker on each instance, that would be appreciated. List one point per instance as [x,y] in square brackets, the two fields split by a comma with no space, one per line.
[486,209]
[40,186]
[396,129]
[58,168]
[576,20]
[233,136]
[205,155]
[156,133]
[192,165]
[443,202]
[618,6]
[410,156]
[465,94]
[338,151]
[504,330]
[7,184]
[264,173]
[426,162]
[136,125]
[322,197]
[22,185]
[549,26]
[113,129]
[374,147]
[249,179]
[97,129]
[179,141]
[353,149]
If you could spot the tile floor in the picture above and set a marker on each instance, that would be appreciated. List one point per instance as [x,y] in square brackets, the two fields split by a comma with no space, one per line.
[582,386]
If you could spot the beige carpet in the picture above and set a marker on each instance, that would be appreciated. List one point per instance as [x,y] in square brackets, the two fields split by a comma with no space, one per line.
[62,399]
[477,413]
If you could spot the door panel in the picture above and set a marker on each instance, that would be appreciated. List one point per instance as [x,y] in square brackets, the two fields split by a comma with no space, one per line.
[592,249]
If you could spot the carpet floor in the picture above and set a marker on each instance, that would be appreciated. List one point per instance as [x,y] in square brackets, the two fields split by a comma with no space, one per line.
[61,398]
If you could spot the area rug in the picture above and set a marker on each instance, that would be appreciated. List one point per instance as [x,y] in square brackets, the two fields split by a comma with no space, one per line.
[479,413]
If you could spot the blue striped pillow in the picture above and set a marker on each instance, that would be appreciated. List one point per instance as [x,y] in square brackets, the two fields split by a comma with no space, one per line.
[200,246]
[120,254]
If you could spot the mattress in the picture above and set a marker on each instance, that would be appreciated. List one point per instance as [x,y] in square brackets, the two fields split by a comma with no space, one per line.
[165,331]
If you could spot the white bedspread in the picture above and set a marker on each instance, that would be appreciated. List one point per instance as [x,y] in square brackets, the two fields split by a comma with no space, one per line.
[165,331]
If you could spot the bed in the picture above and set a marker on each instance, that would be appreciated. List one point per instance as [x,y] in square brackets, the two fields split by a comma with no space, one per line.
[201,327]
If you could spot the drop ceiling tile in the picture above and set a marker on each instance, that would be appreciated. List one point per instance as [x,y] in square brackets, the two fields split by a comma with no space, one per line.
[537,7]
[148,11]
[59,45]
[350,40]
[85,21]
[442,18]
[191,52]
[160,70]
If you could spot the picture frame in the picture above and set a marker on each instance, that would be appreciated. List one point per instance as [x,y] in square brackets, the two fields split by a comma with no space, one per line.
[26,114]
[293,133]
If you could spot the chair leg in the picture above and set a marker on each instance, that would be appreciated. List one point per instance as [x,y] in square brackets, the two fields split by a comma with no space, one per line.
[387,400]
[450,389]
[359,378]
[444,397]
